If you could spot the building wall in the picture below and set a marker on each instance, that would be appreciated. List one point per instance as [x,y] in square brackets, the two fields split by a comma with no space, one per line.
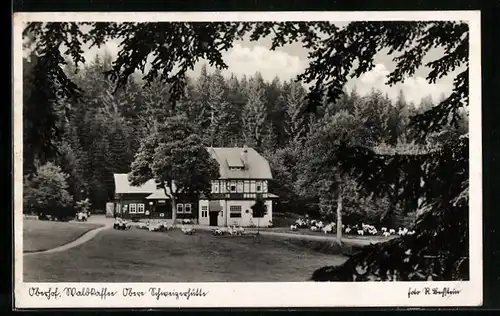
[153,208]
[240,186]
[246,217]
[203,212]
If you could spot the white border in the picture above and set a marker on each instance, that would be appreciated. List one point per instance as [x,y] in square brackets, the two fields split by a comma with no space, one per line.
[297,294]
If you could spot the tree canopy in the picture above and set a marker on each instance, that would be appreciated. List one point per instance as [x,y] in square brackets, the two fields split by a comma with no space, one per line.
[176,159]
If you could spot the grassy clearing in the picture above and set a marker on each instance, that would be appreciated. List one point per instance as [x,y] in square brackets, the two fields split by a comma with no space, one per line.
[44,235]
[143,256]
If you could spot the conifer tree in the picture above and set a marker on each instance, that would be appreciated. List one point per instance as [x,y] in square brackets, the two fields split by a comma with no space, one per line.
[220,111]
[296,116]
[255,114]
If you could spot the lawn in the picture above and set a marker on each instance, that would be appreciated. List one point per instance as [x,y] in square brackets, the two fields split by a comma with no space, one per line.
[143,256]
[43,235]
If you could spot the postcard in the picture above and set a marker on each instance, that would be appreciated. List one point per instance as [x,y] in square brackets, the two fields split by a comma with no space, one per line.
[247,159]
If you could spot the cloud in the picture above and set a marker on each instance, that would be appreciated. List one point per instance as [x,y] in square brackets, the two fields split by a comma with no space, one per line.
[414,88]
[111,47]
[243,60]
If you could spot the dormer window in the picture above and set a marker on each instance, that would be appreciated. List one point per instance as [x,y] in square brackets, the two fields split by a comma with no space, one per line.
[235,163]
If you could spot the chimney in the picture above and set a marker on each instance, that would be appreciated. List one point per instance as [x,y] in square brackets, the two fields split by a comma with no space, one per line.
[244,156]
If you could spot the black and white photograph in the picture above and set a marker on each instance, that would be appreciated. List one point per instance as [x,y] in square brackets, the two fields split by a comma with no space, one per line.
[171,160]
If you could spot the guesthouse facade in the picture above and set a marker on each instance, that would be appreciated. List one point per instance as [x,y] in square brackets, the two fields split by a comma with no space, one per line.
[244,174]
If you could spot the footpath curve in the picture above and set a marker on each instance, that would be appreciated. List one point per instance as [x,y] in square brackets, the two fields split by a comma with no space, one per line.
[80,240]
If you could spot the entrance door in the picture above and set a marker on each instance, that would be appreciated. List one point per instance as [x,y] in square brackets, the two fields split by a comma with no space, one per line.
[213,218]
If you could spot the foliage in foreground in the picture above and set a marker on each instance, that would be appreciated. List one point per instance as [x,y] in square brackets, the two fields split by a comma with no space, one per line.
[440,248]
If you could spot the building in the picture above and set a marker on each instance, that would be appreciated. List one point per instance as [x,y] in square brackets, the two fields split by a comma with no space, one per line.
[244,174]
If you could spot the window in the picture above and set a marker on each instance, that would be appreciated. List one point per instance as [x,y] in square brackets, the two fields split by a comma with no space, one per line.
[235,211]
[187,208]
[204,213]
[140,208]
[204,208]
[240,187]
[132,208]
[258,186]
[180,208]
[215,187]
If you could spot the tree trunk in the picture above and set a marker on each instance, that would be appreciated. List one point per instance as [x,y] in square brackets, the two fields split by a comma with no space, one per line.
[172,198]
[258,225]
[339,219]
[173,206]
[174,210]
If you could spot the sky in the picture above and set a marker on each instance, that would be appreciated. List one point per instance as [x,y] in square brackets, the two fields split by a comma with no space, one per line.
[247,58]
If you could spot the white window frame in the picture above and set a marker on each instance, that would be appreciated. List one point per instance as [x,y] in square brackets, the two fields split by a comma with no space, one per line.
[231,207]
[190,208]
[204,213]
[140,208]
[132,210]
[181,208]
[258,186]
[231,185]
[240,187]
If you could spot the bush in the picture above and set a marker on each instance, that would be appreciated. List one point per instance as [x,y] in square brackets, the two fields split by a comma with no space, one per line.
[46,193]
[83,206]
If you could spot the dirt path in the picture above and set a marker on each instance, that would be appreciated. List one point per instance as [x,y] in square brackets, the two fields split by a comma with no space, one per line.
[82,239]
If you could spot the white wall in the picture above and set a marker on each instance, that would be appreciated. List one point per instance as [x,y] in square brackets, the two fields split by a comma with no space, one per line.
[203,220]
[245,219]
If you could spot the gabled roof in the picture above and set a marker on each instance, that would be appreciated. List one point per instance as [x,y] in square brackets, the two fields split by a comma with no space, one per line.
[231,165]
[122,185]
[231,162]
[159,195]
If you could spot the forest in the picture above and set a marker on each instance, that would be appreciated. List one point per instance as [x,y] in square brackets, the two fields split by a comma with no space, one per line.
[101,134]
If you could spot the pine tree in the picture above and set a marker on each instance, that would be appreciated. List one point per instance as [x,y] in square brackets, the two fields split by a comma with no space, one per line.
[220,112]
[203,112]
[295,119]
[403,111]
[237,100]
[254,115]
[276,110]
